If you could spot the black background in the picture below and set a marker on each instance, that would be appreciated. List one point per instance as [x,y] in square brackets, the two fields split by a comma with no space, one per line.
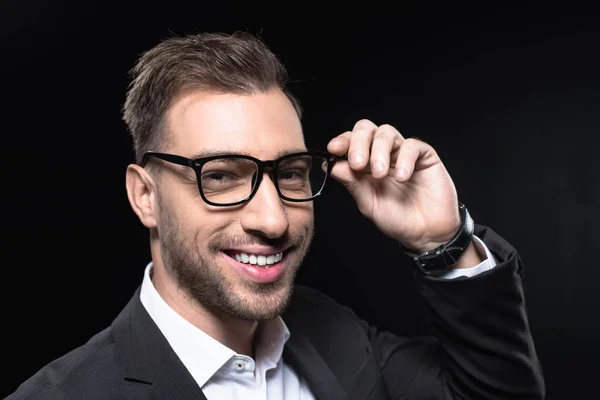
[508,97]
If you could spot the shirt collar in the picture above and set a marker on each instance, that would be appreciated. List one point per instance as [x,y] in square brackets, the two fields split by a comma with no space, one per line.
[201,354]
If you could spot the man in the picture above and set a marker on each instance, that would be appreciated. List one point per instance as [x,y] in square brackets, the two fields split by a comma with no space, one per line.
[225,184]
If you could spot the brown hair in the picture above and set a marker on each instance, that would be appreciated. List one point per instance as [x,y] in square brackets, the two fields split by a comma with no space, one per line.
[238,63]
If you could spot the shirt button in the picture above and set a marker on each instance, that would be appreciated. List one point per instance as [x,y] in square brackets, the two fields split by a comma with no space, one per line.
[239,365]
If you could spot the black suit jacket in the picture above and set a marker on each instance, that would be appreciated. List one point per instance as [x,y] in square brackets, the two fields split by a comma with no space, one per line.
[482,349]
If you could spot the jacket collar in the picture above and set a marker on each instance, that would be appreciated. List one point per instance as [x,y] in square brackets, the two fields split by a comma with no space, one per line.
[147,357]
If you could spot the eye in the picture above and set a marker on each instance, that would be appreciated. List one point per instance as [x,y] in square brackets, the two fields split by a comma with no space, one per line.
[291,174]
[217,176]
[220,180]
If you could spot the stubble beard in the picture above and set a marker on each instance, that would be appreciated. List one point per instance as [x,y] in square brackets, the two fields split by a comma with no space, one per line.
[204,282]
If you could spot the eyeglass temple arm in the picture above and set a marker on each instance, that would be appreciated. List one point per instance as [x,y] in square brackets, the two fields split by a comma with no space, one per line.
[179,160]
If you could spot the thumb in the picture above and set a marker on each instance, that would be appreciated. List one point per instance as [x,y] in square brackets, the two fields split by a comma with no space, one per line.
[354,181]
[342,172]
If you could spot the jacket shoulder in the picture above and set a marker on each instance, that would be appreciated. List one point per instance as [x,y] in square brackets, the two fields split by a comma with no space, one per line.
[81,373]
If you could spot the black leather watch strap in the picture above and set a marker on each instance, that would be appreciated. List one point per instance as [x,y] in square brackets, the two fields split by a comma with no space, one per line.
[446,255]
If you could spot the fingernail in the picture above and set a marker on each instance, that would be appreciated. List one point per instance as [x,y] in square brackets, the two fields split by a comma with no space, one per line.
[378,168]
[402,173]
[357,158]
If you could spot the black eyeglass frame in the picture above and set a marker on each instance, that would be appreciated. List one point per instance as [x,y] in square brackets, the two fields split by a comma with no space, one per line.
[197,163]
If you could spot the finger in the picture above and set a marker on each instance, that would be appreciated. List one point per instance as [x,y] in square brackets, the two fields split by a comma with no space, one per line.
[411,150]
[386,140]
[339,145]
[360,144]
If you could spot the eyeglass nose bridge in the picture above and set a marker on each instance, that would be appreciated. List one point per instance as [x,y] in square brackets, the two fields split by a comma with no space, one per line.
[269,167]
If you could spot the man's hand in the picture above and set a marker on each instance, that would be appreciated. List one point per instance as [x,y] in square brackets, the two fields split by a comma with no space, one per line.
[400,184]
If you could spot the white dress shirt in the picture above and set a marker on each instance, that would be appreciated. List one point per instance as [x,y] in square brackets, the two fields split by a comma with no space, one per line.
[220,372]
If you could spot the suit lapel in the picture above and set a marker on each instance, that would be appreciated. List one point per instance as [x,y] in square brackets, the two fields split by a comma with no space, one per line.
[148,359]
[304,358]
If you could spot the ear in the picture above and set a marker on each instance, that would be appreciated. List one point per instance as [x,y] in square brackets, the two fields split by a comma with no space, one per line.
[140,192]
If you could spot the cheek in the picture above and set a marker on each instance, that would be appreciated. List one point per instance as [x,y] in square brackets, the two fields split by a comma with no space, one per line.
[207,227]
[189,219]
[301,216]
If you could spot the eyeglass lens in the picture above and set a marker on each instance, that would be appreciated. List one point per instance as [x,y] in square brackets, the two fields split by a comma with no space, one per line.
[229,180]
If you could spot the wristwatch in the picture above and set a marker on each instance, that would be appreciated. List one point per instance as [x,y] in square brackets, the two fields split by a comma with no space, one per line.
[446,255]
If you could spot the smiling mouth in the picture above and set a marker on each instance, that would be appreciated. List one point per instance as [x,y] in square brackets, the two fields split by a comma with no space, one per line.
[261,260]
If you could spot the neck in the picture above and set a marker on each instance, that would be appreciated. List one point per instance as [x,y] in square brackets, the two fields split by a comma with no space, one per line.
[235,333]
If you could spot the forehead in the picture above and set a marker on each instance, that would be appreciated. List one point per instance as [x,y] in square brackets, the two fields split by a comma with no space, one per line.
[262,125]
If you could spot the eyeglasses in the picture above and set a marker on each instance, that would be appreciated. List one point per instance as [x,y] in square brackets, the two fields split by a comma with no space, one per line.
[228,180]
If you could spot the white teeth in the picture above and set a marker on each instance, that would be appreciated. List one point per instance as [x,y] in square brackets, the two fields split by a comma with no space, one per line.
[258,259]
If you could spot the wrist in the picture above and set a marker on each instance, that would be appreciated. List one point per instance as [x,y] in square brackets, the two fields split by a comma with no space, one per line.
[426,246]
[448,254]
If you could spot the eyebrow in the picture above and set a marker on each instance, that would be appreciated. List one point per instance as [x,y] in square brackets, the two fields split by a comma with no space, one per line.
[223,152]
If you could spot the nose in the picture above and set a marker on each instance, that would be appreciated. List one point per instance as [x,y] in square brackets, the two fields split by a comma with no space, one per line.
[265,214]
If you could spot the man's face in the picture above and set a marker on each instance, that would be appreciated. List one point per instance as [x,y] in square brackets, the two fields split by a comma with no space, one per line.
[199,242]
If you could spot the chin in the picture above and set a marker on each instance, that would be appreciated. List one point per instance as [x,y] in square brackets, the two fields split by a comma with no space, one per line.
[263,301]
